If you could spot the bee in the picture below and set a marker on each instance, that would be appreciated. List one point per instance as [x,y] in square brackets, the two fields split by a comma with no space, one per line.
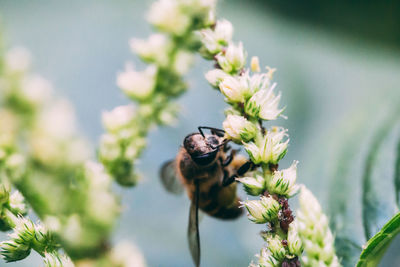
[206,167]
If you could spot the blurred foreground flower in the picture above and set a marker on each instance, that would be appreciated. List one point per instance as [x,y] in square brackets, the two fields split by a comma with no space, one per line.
[315,233]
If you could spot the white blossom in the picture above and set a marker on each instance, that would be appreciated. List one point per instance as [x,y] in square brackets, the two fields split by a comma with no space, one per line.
[233,59]
[264,104]
[109,147]
[125,254]
[169,16]
[36,89]
[269,149]
[276,247]
[295,245]
[255,64]
[284,182]
[215,39]
[120,117]
[234,88]
[135,84]
[216,76]
[262,211]
[155,49]
[17,203]
[238,128]
[254,185]
[57,260]
[271,208]
[265,259]
[255,211]
[183,61]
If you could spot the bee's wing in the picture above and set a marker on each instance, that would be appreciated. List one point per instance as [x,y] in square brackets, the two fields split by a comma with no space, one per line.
[170,179]
[193,228]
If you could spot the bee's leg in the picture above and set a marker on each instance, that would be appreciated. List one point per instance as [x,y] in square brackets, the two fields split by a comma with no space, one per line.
[227,148]
[227,180]
[229,158]
[245,167]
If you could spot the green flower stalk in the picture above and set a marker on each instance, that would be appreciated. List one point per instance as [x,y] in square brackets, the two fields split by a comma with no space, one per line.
[169,54]
[252,98]
[315,233]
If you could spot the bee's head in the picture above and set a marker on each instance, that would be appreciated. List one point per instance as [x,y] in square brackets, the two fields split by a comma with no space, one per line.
[202,149]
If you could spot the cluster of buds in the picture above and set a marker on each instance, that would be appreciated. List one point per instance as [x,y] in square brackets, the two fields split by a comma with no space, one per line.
[27,236]
[23,92]
[84,231]
[169,54]
[28,104]
[251,95]
[45,158]
[315,233]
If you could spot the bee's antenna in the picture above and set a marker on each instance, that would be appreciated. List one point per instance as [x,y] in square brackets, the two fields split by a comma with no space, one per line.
[217,131]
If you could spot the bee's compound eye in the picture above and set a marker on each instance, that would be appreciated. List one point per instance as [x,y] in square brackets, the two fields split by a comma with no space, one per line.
[205,159]
[212,140]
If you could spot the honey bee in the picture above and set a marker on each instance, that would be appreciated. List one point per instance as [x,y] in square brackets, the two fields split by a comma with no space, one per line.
[206,167]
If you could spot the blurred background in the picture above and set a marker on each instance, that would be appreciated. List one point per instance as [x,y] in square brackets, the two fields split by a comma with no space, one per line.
[338,70]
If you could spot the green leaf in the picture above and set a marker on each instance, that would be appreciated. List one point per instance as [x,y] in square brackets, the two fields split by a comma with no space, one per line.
[378,244]
[378,200]
[365,167]
[397,176]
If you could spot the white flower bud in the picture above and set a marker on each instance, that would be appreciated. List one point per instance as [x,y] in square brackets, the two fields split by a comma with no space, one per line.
[56,260]
[270,149]
[215,40]
[255,211]
[17,203]
[137,85]
[155,49]
[255,64]
[262,211]
[168,16]
[17,60]
[36,89]
[233,59]
[264,104]
[110,148]
[24,229]
[272,208]
[253,185]
[120,117]
[14,251]
[266,259]
[215,77]
[238,129]
[96,175]
[284,182]
[234,88]
[125,254]
[182,62]
[276,247]
[294,242]
[15,166]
